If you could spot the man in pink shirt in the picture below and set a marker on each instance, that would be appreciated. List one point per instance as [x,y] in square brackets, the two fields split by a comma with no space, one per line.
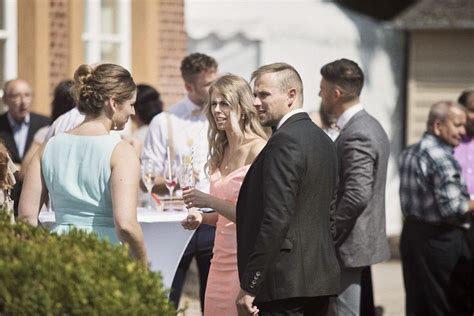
[464,153]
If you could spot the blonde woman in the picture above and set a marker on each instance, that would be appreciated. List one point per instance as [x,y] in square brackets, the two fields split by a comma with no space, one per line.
[235,139]
[91,175]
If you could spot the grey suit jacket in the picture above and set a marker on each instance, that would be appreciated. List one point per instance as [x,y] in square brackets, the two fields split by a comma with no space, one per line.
[363,149]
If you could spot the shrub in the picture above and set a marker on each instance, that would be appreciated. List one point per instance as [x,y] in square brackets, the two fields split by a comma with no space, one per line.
[73,274]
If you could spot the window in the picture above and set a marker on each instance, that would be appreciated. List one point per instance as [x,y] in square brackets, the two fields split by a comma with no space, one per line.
[107,32]
[8,41]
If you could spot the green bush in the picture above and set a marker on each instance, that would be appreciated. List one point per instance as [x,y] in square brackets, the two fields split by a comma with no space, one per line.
[74,274]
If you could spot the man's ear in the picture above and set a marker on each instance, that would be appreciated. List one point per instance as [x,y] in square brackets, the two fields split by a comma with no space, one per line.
[188,86]
[437,127]
[337,93]
[291,96]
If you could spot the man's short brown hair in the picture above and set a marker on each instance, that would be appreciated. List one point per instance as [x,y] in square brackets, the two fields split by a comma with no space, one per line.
[196,63]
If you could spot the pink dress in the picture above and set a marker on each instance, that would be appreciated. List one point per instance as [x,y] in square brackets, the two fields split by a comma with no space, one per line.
[223,281]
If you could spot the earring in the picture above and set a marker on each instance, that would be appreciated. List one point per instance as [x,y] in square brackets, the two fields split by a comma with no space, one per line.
[114,125]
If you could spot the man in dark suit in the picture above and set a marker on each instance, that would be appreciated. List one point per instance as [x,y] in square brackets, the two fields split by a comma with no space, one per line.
[19,125]
[363,149]
[285,250]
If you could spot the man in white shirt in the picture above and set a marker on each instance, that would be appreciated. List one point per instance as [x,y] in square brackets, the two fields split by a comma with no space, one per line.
[363,149]
[181,132]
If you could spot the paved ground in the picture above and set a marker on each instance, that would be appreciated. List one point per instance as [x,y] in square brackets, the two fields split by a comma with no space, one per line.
[388,287]
[387,282]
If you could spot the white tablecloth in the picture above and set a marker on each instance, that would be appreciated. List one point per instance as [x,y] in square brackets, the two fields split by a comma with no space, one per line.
[165,238]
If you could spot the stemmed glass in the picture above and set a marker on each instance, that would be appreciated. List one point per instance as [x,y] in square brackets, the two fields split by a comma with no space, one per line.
[186,176]
[171,180]
[148,178]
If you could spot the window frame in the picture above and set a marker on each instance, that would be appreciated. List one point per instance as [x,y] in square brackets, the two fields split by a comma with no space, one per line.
[93,40]
[10,35]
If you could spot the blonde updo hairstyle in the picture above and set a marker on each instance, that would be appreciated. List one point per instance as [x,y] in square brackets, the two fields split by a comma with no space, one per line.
[237,92]
[95,85]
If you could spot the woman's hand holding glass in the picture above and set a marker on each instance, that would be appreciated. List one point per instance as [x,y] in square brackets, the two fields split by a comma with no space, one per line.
[194,198]
[193,220]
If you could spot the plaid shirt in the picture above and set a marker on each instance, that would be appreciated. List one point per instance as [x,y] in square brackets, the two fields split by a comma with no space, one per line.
[431,187]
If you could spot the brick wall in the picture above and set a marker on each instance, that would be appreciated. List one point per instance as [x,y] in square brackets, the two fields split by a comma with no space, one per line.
[58,46]
[172,49]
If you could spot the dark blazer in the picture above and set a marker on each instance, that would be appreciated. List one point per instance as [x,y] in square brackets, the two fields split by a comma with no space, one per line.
[6,133]
[363,149]
[285,246]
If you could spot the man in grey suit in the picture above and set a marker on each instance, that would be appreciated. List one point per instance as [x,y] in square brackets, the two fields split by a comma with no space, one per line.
[363,149]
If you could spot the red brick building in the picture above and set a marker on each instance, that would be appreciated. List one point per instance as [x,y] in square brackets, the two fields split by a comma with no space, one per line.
[44,41]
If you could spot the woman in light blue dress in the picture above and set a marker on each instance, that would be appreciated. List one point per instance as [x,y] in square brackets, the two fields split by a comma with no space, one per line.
[91,176]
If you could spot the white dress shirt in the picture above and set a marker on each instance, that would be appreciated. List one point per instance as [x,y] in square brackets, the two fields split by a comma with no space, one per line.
[65,122]
[189,127]
[288,115]
[73,118]
[348,114]
[20,132]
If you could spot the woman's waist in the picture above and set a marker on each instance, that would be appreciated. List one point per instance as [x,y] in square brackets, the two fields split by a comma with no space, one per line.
[83,218]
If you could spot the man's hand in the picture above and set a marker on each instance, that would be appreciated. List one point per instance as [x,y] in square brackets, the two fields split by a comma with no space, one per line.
[244,303]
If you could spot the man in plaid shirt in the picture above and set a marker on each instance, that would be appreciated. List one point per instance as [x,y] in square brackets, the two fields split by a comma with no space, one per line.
[435,203]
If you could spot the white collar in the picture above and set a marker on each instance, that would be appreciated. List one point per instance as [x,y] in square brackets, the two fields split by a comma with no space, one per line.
[193,107]
[14,123]
[288,115]
[348,114]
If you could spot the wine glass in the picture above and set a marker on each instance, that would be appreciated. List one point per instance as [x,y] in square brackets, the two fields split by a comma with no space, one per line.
[148,178]
[186,176]
[171,180]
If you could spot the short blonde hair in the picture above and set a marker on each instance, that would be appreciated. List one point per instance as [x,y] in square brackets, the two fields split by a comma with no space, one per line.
[289,77]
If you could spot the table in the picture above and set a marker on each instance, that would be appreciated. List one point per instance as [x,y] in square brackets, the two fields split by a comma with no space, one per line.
[165,238]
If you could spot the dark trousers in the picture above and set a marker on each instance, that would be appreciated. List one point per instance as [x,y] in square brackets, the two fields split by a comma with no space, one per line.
[437,269]
[367,307]
[298,306]
[199,247]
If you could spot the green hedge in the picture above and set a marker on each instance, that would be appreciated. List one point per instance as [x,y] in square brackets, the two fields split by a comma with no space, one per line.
[74,274]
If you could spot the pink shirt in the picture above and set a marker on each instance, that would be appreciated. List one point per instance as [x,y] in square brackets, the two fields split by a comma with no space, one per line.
[464,154]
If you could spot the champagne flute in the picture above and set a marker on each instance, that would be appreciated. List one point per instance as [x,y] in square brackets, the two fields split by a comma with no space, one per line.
[171,180]
[148,178]
[186,176]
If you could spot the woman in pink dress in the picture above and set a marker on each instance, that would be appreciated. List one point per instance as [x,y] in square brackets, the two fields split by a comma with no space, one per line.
[235,139]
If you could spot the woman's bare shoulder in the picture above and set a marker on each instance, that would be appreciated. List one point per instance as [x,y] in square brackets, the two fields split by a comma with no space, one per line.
[256,147]
[123,151]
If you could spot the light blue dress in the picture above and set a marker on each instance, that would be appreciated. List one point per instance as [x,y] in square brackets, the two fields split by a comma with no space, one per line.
[76,170]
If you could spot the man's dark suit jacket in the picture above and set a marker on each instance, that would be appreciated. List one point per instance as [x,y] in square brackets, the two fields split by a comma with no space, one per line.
[6,135]
[363,149]
[285,244]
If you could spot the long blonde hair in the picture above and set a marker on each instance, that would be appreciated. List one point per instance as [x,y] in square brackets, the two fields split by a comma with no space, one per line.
[238,93]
